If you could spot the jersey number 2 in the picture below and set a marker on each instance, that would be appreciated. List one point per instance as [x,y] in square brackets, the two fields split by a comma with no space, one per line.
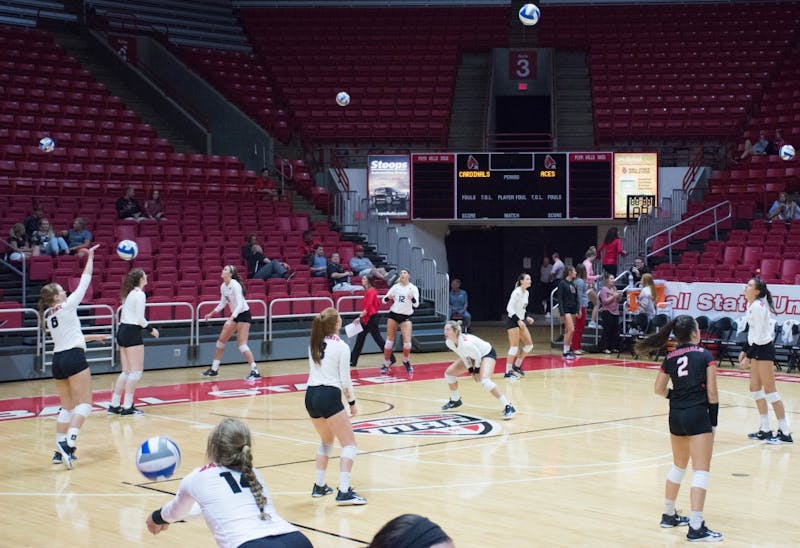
[235,487]
[683,364]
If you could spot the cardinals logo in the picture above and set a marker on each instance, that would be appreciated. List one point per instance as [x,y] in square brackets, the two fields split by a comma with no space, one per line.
[434,425]
[472,163]
[549,162]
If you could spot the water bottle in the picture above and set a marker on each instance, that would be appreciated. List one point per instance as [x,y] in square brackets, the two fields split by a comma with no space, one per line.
[630,279]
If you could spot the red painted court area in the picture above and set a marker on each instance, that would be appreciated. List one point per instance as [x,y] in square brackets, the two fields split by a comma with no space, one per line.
[211,390]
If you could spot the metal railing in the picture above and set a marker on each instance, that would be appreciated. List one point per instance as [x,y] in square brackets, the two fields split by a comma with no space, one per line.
[204,305]
[24,311]
[23,273]
[271,315]
[91,324]
[719,212]
[668,213]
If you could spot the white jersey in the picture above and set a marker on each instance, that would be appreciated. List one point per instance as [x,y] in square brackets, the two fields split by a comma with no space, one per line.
[233,296]
[133,308]
[62,320]
[518,303]
[335,367]
[228,507]
[762,328]
[402,296]
[470,349]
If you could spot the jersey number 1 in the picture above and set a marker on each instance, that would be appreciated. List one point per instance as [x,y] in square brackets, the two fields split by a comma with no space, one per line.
[683,364]
[235,487]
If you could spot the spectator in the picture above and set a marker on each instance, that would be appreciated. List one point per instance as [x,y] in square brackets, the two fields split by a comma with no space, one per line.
[33,221]
[583,305]
[46,240]
[20,244]
[319,264]
[307,247]
[338,277]
[128,207]
[775,146]
[411,531]
[609,315]
[759,148]
[154,207]
[78,238]
[260,267]
[545,285]
[638,270]
[783,209]
[362,266]
[612,245]
[647,304]
[557,270]
[266,185]
[458,305]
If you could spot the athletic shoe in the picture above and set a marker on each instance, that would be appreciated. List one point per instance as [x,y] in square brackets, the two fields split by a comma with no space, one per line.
[592,324]
[66,453]
[409,368]
[704,534]
[569,355]
[384,370]
[131,411]
[760,435]
[320,491]
[510,376]
[392,360]
[606,351]
[518,371]
[675,520]
[452,404]
[780,437]
[210,373]
[509,411]
[349,498]
[57,459]
[114,410]
[253,376]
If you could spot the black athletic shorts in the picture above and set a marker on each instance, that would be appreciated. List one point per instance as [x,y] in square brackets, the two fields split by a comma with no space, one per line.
[129,335]
[295,539]
[243,317]
[689,422]
[492,354]
[765,352]
[399,318]
[323,401]
[512,323]
[69,362]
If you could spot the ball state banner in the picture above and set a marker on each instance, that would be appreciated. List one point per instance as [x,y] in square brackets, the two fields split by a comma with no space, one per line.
[718,299]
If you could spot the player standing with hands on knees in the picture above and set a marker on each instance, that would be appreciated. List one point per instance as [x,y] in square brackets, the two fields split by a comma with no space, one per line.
[239,322]
[693,410]
[476,356]
[328,380]
[405,298]
[517,328]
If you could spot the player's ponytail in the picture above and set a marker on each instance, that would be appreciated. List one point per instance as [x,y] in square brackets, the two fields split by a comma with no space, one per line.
[324,324]
[249,477]
[656,340]
[46,296]
[764,293]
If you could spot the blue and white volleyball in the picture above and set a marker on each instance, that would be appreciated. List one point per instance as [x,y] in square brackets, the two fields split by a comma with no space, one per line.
[47,144]
[342,98]
[158,458]
[529,15]
[127,250]
[787,152]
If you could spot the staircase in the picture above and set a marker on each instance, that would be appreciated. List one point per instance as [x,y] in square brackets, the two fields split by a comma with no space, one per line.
[573,96]
[467,116]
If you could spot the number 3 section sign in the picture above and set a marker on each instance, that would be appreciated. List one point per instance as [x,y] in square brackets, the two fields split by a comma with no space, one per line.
[522,65]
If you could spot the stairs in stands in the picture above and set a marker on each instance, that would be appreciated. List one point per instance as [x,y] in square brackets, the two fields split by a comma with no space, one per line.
[467,116]
[573,98]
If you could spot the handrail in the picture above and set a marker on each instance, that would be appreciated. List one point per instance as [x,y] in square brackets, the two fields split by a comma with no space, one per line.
[46,339]
[691,171]
[487,108]
[271,315]
[668,231]
[220,319]
[37,329]
[23,273]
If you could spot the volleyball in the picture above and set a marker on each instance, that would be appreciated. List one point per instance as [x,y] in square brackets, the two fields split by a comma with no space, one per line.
[46,144]
[158,458]
[127,250]
[529,15]
[787,152]
[342,98]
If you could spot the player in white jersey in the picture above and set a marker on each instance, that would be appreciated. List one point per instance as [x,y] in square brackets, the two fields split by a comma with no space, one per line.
[70,368]
[129,339]
[476,356]
[405,298]
[231,495]
[233,296]
[328,378]
[517,328]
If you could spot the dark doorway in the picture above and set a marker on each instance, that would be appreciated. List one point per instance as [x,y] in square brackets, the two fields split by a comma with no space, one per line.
[522,114]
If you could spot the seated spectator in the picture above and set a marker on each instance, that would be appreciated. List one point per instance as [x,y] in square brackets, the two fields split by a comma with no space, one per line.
[638,270]
[318,262]
[33,221]
[46,240]
[154,207]
[775,146]
[20,244]
[128,207]
[78,238]
[782,209]
[338,277]
[266,185]
[307,246]
[261,267]
[647,304]
[362,266]
[759,148]
[458,305]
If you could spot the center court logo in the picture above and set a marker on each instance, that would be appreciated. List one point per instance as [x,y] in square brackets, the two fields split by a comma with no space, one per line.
[438,424]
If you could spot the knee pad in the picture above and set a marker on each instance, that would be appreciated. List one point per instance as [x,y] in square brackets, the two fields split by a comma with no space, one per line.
[244,348]
[83,409]
[123,376]
[134,375]
[450,379]
[220,344]
[758,395]
[512,350]
[389,344]
[676,474]
[324,450]
[349,452]
[406,345]
[488,384]
[700,479]
[64,416]
[527,348]
[773,397]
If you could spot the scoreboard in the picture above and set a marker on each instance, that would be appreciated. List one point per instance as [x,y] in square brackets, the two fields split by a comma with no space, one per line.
[508,186]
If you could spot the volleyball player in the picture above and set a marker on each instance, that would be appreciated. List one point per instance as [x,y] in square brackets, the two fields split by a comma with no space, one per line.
[328,378]
[231,495]
[70,368]
[517,328]
[759,357]
[239,321]
[693,410]
[568,308]
[129,339]
[405,298]
[476,356]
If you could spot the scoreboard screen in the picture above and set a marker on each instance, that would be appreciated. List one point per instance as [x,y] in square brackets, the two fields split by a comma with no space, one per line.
[511,186]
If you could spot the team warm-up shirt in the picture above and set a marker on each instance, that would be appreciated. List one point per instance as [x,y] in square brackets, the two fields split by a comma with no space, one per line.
[228,507]
[62,320]
[686,366]
[335,367]
[470,349]
[370,303]
[518,303]
[233,296]
[761,330]
[403,295]
[133,308]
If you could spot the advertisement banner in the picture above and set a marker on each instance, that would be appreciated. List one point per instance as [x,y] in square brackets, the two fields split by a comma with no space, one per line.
[635,173]
[717,299]
[388,182]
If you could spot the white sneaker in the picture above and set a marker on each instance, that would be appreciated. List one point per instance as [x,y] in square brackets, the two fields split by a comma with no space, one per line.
[592,324]
[547,316]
